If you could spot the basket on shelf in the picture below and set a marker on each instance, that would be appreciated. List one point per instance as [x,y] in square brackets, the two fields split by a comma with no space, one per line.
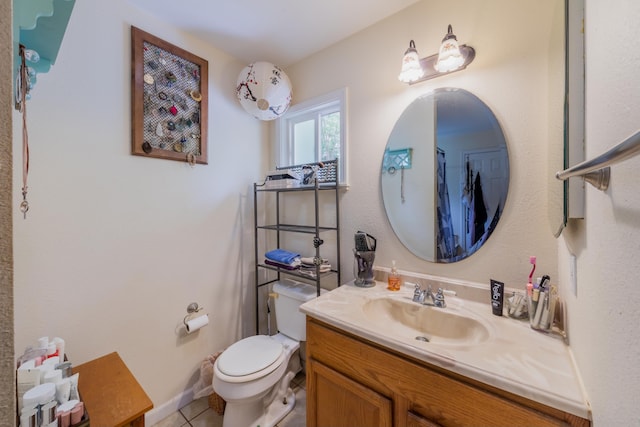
[327,173]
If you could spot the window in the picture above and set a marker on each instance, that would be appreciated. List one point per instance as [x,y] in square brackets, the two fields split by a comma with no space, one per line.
[313,131]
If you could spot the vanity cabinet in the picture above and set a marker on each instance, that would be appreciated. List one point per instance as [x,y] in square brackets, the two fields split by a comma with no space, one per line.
[351,381]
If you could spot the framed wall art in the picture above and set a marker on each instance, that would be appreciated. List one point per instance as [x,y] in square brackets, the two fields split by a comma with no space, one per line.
[169,88]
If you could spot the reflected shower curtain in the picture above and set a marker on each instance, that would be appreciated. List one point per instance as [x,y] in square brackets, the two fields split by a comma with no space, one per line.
[446,240]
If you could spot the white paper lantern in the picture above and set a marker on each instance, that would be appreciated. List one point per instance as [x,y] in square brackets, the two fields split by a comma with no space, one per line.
[264,90]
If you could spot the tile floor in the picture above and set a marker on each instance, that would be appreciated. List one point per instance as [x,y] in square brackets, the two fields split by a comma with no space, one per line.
[198,413]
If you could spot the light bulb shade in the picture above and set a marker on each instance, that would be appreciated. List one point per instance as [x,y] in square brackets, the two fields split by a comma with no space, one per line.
[411,69]
[264,90]
[449,56]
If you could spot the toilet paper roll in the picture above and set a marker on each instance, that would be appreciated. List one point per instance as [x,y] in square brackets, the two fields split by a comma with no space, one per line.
[197,323]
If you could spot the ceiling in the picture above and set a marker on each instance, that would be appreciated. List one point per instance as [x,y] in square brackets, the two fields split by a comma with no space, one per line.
[278,31]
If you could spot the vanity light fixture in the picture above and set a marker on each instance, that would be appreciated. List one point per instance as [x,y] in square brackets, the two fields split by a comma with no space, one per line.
[411,69]
[451,57]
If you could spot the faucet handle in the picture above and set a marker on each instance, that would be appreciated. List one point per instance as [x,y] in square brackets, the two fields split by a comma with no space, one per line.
[418,294]
[439,299]
[416,290]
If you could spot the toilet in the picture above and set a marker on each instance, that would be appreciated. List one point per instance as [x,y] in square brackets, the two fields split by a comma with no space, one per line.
[253,375]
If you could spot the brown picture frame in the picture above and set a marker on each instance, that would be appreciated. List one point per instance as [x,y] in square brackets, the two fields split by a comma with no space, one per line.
[169,102]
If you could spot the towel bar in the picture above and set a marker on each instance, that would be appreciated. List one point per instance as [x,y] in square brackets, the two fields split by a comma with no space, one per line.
[597,171]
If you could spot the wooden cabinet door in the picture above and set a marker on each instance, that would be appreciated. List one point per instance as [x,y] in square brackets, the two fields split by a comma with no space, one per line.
[414,420]
[334,400]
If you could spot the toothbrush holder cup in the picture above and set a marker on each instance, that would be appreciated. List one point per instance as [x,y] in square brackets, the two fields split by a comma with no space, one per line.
[363,268]
[541,311]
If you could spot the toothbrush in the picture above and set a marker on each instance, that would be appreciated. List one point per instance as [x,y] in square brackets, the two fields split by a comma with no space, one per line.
[532,260]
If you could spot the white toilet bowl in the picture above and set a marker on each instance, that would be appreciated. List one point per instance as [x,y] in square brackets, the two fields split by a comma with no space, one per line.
[253,377]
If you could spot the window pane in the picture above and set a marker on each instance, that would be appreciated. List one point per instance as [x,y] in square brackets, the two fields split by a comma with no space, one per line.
[330,136]
[313,131]
[304,142]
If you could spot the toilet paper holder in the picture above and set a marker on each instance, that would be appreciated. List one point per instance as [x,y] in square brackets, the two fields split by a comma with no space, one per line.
[192,309]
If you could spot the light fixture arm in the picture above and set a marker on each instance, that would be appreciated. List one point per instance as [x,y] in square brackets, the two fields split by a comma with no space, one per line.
[449,34]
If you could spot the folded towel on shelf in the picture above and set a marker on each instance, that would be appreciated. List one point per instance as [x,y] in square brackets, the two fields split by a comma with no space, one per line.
[309,261]
[323,268]
[308,266]
[311,271]
[283,257]
[281,265]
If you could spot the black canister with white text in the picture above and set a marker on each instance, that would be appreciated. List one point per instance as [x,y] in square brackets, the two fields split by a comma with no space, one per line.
[497,297]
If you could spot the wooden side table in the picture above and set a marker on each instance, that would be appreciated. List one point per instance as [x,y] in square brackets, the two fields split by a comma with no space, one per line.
[111,394]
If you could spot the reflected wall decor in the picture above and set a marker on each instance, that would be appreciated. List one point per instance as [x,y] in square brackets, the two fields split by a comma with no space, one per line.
[169,88]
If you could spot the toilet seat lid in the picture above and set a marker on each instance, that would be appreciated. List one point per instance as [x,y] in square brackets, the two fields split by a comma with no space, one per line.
[249,356]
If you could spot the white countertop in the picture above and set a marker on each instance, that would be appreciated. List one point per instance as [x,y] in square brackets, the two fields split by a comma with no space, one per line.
[515,358]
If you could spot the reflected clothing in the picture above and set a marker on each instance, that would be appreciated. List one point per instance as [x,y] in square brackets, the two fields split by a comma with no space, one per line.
[479,210]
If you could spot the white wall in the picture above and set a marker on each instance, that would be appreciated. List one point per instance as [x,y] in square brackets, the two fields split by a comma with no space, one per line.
[512,74]
[116,246]
[604,314]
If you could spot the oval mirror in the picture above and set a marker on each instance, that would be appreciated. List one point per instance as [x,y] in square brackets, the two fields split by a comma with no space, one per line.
[445,175]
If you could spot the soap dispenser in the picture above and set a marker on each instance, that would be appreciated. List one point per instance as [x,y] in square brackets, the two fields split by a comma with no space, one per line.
[393,281]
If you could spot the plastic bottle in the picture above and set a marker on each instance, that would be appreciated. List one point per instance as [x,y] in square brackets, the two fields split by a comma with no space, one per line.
[393,281]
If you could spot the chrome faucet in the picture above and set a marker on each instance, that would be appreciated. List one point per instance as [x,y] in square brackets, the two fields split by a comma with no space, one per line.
[421,296]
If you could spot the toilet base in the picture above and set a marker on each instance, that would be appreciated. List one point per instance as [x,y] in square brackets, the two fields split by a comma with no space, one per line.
[242,415]
[278,410]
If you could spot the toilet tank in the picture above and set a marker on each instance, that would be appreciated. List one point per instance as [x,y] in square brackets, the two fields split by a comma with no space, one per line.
[291,295]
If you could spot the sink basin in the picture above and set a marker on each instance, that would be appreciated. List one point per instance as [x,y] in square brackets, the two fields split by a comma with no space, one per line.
[407,319]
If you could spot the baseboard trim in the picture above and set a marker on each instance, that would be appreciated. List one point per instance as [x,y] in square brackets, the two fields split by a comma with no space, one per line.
[161,412]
